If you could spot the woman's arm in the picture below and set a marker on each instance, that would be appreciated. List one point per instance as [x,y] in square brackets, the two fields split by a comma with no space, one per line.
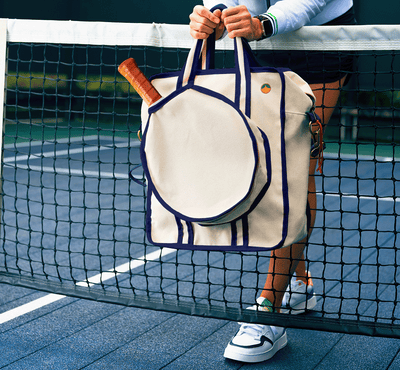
[286,15]
[283,16]
[203,23]
[290,15]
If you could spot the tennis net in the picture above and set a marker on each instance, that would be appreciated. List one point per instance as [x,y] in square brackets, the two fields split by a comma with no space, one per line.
[73,223]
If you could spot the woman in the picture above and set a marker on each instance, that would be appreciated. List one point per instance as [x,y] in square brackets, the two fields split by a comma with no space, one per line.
[256,20]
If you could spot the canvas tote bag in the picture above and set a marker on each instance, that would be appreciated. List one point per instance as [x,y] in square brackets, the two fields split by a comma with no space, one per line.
[226,155]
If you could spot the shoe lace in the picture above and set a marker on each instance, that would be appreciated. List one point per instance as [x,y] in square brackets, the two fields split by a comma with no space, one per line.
[253,330]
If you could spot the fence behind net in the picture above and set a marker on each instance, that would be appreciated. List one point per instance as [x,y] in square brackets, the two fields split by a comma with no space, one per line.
[73,223]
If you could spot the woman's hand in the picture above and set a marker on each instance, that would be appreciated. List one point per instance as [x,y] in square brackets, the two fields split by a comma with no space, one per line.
[239,23]
[203,23]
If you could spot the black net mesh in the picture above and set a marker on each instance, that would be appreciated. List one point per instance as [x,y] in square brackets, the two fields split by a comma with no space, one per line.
[72,221]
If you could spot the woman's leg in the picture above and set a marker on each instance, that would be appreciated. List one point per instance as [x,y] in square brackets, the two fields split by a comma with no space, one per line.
[326,97]
[285,261]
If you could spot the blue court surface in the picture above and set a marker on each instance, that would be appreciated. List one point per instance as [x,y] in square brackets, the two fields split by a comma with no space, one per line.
[46,331]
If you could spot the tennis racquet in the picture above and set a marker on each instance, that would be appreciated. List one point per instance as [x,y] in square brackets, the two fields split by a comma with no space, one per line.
[130,70]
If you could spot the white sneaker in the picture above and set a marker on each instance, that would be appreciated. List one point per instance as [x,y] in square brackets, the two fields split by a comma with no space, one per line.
[299,297]
[255,342]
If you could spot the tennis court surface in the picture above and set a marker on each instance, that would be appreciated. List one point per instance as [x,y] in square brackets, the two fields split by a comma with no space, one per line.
[81,334]
[71,333]
[80,285]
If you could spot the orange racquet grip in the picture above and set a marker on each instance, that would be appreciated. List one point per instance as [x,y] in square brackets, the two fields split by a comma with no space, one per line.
[130,70]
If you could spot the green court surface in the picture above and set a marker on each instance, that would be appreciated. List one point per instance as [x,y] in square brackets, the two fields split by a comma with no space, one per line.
[383,151]
[48,130]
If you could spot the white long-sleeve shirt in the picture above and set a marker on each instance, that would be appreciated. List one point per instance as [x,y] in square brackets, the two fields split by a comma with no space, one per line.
[289,15]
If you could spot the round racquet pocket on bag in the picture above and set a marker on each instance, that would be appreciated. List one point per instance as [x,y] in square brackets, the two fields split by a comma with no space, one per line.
[204,159]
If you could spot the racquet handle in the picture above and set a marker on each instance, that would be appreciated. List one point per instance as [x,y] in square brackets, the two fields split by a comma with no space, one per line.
[130,70]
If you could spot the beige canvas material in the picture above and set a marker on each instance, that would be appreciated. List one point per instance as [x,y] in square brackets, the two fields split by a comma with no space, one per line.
[218,178]
[213,147]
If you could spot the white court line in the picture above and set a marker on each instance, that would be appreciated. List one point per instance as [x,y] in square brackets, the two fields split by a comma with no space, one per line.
[363,157]
[52,154]
[68,140]
[363,197]
[70,171]
[59,153]
[66,171]
[51,298]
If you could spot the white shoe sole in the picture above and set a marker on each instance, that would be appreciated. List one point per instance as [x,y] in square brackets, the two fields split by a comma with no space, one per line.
[301,307]
[234,352]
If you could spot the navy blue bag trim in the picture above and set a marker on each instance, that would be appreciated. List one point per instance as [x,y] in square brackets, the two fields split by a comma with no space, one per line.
[190,233]
[210,54]
[234,233]
[285,188]
[245,231]
[205,72]
[247,79]
[195,66]
[180,230]
[244,218]
[143,157]
[218,6]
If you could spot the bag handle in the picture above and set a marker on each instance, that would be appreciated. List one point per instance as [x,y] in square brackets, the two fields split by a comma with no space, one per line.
[208,61]
[192,68]
[207,53]
[243,77]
